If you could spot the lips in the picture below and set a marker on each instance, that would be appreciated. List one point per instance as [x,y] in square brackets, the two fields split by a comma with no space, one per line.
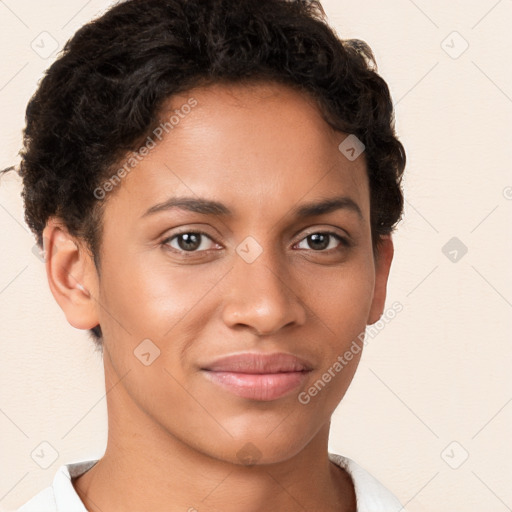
[257,376]
[250,362]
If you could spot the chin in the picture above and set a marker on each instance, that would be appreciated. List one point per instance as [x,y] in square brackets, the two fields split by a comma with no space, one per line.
[262,444]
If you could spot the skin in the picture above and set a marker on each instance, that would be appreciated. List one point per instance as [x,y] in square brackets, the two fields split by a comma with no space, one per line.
[261,150]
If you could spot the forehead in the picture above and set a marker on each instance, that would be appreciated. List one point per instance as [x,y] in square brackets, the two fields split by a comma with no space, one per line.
[262,147]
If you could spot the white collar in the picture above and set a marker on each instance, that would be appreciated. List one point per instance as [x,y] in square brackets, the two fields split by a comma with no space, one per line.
[371,495]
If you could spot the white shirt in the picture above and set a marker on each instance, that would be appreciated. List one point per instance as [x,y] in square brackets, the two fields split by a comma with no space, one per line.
[371,495]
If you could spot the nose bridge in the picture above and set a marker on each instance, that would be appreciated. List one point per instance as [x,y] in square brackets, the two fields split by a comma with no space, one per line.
[259,295]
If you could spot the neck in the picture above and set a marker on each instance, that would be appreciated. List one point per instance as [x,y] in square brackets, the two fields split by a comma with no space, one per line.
[145,467]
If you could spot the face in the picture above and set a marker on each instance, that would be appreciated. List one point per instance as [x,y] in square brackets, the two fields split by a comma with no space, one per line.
[228,316]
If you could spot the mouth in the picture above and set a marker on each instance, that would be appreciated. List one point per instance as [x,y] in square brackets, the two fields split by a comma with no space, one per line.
[257,376]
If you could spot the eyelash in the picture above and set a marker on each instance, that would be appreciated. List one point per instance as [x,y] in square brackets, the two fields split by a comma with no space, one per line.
[343,241]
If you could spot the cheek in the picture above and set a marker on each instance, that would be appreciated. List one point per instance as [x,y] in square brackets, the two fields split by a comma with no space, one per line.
[341,304]
[341,310]
[150,297]
[342,296]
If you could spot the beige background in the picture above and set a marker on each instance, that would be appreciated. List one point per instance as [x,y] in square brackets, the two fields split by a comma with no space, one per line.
[435,383]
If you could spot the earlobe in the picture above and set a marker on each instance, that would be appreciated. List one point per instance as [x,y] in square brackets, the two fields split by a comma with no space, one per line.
[382,268]
[71,275]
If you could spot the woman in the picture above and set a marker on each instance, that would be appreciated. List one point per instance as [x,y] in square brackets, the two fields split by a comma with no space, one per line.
[215,184]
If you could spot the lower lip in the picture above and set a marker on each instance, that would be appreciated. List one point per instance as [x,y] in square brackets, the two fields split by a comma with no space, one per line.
[254,386]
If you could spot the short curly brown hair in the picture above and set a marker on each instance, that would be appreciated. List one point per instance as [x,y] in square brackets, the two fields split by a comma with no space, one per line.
[103,94]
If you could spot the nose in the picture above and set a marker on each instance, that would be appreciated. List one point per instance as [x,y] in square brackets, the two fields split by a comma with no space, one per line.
[260,295]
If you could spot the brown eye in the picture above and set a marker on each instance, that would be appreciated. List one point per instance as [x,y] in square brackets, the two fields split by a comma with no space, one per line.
[189,241]
[323,241]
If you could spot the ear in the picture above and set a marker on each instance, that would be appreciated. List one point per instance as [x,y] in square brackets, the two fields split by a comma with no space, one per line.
[383,260]
[71,275]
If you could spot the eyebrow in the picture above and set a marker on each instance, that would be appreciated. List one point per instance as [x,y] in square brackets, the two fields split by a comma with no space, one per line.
[211,207]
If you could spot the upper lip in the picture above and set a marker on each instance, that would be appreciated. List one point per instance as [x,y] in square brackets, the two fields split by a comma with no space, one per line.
[252,362]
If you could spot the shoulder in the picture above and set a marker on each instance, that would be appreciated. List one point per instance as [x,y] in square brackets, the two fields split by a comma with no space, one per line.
[61,495]
[371,495]
[43,501]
